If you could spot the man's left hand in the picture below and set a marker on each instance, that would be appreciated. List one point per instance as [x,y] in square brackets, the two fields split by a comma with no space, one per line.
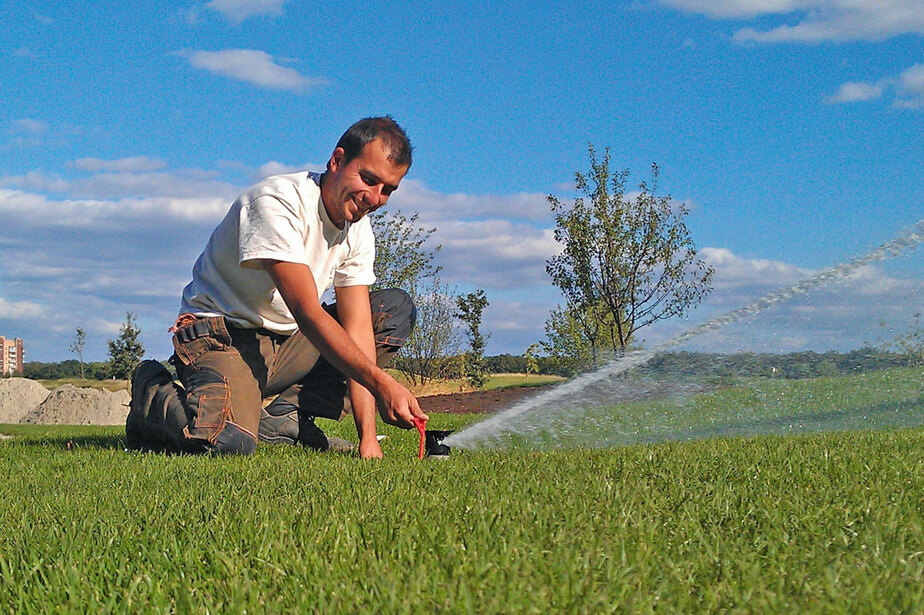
[369,448]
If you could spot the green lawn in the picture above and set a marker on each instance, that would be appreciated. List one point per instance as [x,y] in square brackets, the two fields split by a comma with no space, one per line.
[502,381]
[746,407]
[828,523]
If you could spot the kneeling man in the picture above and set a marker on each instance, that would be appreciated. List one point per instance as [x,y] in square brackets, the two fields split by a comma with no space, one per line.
[256,353]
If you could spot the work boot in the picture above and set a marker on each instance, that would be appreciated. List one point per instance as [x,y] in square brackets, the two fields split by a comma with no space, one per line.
[279,423]
[335,444]
[145,379]
[282,423]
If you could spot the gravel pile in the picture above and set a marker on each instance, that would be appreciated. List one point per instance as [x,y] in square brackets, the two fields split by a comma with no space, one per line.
[69,405]
[18,397]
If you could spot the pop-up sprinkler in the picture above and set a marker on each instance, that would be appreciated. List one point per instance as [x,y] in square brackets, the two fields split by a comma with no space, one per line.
[434,444]
[431,440]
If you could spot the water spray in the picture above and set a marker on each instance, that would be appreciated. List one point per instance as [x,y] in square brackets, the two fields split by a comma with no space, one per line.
[491,430]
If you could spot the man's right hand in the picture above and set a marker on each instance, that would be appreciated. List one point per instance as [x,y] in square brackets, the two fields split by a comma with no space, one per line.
[398,406]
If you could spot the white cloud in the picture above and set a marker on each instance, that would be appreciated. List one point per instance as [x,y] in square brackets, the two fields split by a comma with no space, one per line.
[739,280]
[855,91]
[87,248]
[911,88]
[83,250]
[16,310]
[500,254]
[735,9]
[908,89]
[182,183]
[135,164]
[177,184]
[237,11]
[278,168]
[414,195]
[818,20]
[107,241]
[37,181]
[252,66]
[735,272]
[839,316]
[35,211]
[31,132]
[490,241]
[30,126]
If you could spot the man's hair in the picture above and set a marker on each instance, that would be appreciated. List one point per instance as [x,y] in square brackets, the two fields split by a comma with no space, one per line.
[397,146]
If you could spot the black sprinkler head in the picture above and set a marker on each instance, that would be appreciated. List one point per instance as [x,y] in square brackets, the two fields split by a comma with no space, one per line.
[434,443]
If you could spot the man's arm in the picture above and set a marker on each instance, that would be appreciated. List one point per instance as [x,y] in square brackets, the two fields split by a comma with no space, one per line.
[296,285]
[355,315]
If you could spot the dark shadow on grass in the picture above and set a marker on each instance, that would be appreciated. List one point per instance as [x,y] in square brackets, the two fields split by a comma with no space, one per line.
[72,443]
[103,442]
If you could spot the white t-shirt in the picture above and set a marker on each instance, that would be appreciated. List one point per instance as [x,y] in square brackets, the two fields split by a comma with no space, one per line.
[281,218]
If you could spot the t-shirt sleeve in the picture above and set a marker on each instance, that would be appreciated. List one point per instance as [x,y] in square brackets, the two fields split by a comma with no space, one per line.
[270,229]
[357,268]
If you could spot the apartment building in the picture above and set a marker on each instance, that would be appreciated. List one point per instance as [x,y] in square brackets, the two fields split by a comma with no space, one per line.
[11,356]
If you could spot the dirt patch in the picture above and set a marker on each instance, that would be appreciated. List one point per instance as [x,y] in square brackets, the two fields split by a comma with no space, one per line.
[69,405]
[18,397]
[477,401]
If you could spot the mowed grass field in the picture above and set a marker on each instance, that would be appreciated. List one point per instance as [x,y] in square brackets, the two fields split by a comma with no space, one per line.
[830,522]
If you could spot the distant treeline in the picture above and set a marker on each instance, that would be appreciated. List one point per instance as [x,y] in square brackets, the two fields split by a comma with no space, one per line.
[500,364]
[513,364]
[791,366]
[64,369]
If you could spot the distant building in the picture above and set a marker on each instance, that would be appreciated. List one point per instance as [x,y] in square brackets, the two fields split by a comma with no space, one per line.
[11,356]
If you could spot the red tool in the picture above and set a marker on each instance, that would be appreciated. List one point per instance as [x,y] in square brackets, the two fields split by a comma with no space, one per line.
[421,426]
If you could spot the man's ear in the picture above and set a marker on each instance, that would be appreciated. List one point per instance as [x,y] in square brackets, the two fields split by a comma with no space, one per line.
[336,159]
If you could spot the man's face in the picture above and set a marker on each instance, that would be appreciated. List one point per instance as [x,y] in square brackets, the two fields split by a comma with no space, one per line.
[361,185]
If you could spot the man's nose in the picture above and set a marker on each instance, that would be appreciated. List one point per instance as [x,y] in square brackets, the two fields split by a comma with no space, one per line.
[376,196]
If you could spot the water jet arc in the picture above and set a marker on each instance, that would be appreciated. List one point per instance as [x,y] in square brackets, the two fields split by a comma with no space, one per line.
[492,429]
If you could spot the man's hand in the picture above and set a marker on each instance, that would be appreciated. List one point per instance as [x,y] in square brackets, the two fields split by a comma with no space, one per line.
[397,406]
[369,448]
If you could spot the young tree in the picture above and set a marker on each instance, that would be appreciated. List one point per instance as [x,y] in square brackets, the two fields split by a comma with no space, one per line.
[401,260]
[126,351]
[571,339]
[470,310]
[427,354]
[626,263]
[910,344]
[532,362]
[77,347]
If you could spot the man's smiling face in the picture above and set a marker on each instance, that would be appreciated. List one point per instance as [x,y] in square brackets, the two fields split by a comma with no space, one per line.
[352,189]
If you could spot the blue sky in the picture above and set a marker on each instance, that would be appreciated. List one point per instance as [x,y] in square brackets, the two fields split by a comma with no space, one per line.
[792,129]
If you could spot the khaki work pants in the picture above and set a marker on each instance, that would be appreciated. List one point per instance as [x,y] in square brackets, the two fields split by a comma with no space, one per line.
[226,373]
